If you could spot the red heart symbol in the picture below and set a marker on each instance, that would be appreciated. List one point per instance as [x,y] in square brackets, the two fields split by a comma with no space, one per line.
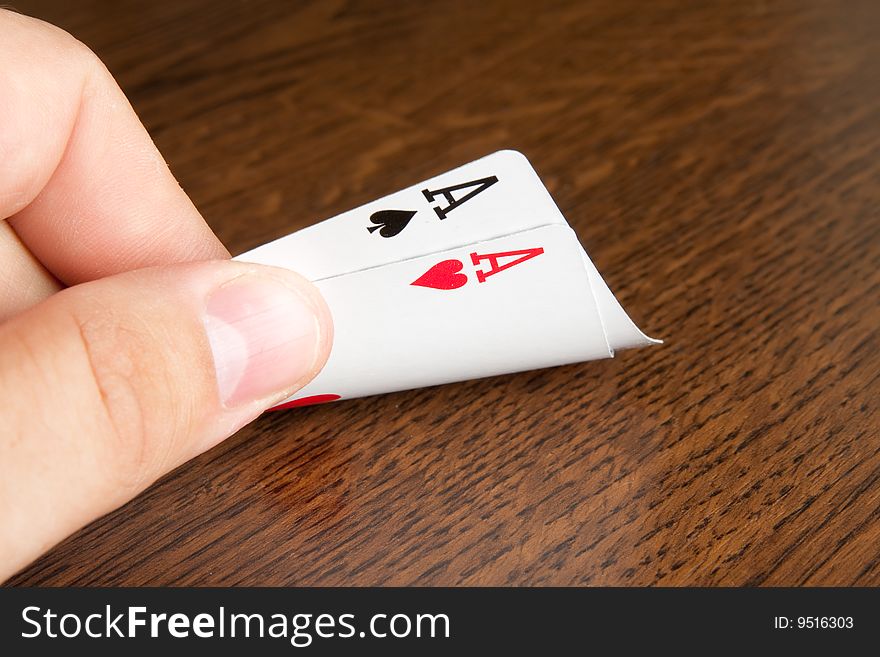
[443,276]
[306,401]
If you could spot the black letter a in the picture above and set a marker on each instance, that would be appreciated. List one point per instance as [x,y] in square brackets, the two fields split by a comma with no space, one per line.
[479,185]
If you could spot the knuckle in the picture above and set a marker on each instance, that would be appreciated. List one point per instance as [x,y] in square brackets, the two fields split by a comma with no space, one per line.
[42,66]
[38,36]
[87,57]
[127,376]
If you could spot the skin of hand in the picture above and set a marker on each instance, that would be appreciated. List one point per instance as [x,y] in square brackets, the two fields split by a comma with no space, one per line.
[129,342]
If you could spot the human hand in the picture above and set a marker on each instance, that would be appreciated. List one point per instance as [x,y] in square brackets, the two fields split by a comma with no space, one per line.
[129,342]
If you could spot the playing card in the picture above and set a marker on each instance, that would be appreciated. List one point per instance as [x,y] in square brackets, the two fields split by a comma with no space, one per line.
[489,279]
[496,195]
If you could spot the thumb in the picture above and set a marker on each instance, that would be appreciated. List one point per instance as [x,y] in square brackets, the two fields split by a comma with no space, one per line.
[110,384]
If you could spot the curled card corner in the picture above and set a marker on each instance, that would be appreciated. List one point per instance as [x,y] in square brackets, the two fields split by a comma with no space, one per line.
[621,331]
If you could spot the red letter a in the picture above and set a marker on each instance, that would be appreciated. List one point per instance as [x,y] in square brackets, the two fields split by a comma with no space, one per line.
[521,256]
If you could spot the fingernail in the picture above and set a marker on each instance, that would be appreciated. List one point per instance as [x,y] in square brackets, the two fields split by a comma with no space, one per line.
[264,338]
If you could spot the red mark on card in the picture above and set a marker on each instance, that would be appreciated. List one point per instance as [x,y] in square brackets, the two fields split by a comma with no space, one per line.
[306,401]
[443,276]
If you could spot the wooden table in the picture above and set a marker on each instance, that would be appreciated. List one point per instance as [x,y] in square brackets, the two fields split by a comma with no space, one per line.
[721,164]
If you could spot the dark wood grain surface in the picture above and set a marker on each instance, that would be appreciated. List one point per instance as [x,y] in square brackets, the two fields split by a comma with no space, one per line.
[721,164]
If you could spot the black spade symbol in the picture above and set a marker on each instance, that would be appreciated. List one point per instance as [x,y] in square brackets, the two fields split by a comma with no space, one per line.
[391,222]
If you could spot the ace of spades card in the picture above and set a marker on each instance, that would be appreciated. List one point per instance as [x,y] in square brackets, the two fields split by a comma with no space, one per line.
[472,273]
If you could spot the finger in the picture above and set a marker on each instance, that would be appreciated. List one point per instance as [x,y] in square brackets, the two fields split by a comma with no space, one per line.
[110,384]
[80,178]
[23,280]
